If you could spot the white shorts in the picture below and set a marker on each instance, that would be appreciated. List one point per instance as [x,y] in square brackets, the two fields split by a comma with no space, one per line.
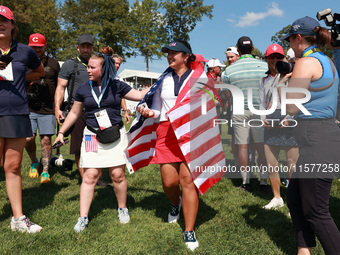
[108,155]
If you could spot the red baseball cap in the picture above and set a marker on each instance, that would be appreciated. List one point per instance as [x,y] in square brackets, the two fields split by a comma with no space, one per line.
[6,12]
[200,58]
[274,48]
[37,40]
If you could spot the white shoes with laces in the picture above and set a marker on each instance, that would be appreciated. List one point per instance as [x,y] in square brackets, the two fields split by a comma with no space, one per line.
[274,203]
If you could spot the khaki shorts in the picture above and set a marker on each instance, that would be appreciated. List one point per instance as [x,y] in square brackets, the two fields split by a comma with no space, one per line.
[242,129]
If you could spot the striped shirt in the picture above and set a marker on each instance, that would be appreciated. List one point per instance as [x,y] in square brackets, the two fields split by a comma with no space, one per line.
[245,73]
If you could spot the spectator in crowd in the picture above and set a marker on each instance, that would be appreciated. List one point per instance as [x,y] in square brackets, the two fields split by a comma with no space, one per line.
[15,124]
[276,134]
[252,72]
[214,70]
[41,105]
[72,74]
[201,59]
[232,56]
[317,135]
[101,97]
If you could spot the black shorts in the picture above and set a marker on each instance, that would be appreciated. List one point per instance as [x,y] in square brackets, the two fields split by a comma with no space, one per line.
[77,135]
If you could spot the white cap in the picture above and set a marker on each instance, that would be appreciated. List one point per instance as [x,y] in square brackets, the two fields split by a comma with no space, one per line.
[290,53]
[215,62]
[232,50]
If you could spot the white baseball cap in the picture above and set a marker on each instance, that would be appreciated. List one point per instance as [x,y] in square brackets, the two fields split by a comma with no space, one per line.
[232,50]
[290,53]
[215,62]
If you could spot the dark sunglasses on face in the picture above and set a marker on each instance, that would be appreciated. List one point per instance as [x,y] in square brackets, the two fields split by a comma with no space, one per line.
[275,56]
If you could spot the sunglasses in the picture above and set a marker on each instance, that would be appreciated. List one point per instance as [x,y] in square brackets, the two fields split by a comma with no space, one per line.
[275,56]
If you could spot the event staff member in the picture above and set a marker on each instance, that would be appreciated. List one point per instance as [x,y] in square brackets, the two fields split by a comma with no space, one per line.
[15,124]
[101,97]
[276,135]
[42,109]
[317,135]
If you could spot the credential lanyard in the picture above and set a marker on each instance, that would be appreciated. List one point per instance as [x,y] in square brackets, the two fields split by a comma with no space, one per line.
[82,63]
[310,50]
[101,94]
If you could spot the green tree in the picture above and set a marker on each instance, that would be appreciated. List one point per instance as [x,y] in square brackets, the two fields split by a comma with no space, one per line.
[181,16]
[278,35]
[105,20]
[147,29]
[39,16]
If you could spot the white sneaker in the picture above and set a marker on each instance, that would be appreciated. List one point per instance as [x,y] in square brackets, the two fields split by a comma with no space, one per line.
[274,203]
[173,215]
[81,224]
[23,224]
[190,240]
[123,215]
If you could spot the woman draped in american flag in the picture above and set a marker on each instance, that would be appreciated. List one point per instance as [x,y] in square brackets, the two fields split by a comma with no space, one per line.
[172,131]
[101,97]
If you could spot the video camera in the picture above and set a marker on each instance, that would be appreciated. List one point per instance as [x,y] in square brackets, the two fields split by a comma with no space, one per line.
[330,20]
[66,164]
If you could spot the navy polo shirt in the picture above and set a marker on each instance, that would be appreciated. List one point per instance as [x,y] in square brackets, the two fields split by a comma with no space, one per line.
[13,97]
[111,101]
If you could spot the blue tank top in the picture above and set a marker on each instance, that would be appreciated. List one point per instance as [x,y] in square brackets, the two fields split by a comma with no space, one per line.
[322,104]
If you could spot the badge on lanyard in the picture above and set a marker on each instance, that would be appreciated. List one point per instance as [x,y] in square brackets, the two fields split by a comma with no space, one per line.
[101,116]
[103,119]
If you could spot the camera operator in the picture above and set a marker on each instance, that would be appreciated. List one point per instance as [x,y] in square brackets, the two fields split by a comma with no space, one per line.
[41,104]
[317,135]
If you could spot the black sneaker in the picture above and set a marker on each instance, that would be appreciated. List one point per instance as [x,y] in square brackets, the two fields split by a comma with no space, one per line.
[173,215]
[190,240]
[102,183]
[245,187]
[264,188]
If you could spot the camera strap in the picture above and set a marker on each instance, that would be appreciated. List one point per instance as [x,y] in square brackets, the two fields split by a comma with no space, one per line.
[327,86]
[71,83]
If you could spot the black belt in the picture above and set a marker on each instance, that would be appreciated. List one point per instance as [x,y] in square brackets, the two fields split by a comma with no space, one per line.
[120,125]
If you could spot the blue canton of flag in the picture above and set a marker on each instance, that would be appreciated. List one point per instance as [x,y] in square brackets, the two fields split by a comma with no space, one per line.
[91,143]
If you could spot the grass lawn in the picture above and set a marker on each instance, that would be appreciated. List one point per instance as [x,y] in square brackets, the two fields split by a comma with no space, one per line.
[229,221]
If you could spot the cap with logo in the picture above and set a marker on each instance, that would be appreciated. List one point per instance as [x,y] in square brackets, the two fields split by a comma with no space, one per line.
[302,26]
[176,46]
[215,62]
[244,43]
[6,12]
[85,38]
[37,40]
[274,48]
[232,50]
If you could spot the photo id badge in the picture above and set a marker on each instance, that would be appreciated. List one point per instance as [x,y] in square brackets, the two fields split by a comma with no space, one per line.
[103,119]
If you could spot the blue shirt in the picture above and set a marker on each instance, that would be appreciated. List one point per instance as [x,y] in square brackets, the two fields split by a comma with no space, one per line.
[337,59]
[111,101]
[322,104]
[13,96]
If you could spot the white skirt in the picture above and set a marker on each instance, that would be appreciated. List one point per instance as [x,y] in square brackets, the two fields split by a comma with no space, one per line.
[107,155]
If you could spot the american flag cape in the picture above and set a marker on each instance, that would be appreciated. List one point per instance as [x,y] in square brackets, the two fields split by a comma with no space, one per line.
[198,138]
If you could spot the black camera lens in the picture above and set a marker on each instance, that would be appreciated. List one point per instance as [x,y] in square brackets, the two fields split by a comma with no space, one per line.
[283,67]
